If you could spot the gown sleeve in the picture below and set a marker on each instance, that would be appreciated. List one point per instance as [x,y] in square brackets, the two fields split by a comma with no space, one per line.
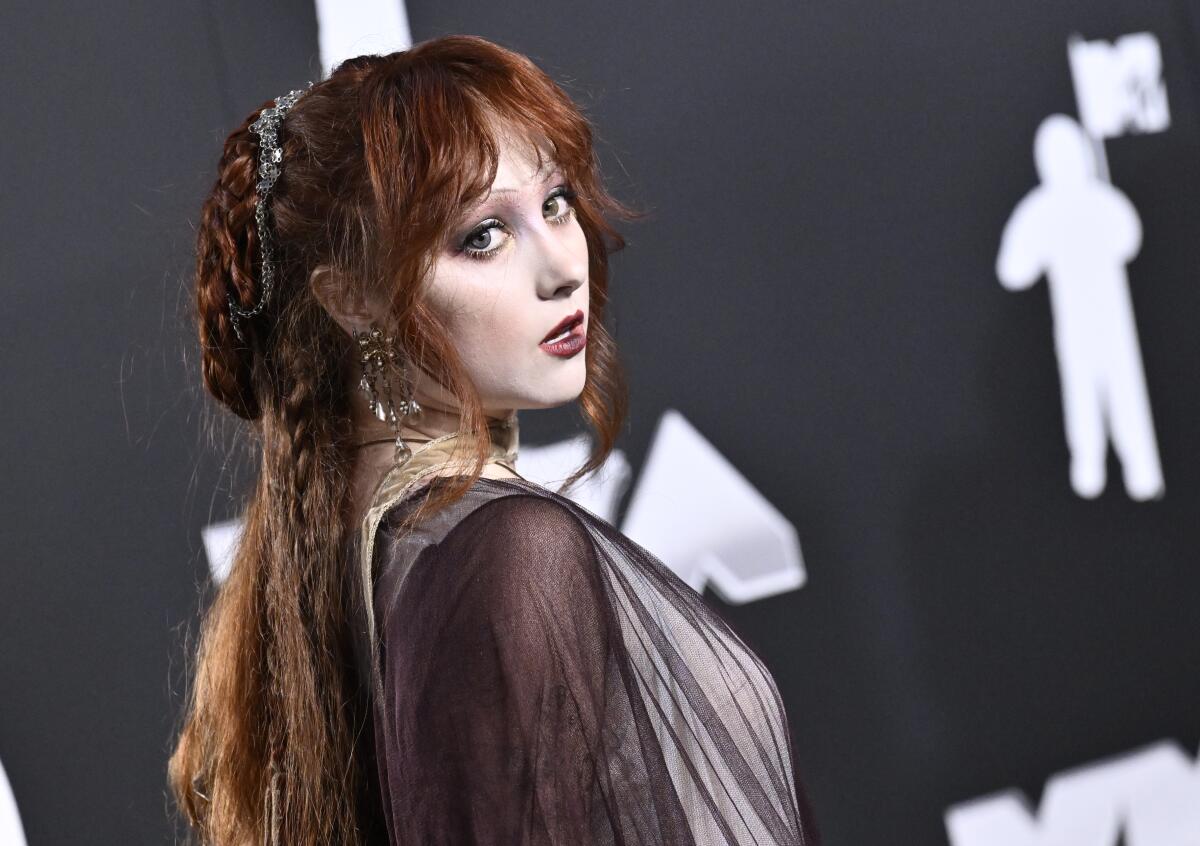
[547,681]
[496,660]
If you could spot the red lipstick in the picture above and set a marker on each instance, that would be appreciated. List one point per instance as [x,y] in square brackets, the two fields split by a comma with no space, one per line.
[568,344]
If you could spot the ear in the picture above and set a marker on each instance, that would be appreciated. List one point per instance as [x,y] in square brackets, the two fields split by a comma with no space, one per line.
[341,300]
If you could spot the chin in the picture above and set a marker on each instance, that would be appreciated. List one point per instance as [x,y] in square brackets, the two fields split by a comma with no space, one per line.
[555,395]
[552,402]
[578,382]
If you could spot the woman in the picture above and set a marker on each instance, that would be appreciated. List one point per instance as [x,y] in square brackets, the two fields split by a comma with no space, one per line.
[415,644]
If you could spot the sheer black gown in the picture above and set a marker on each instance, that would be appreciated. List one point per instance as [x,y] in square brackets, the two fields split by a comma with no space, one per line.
[539,678]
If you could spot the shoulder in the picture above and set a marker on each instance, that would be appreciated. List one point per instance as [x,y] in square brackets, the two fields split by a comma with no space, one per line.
[1031,207]
[531,526]
[520,548]
[525,518]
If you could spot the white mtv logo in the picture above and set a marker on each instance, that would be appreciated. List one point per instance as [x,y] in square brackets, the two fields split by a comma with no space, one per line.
[12,833]
[347,28]
[696,512]
[1150,797]
[1119,86]
[691,508]
[1080,231]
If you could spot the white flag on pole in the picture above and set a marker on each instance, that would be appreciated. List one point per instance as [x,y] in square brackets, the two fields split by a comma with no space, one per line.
[1119,85]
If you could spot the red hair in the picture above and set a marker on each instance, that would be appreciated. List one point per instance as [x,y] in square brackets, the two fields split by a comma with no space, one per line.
[378,161]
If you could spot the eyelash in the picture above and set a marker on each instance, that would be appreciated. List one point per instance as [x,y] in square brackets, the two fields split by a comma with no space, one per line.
[493,223]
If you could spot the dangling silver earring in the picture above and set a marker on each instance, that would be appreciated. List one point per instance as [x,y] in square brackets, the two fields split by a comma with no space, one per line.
[377,356]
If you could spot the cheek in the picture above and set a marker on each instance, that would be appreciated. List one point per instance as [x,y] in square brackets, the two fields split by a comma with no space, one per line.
[495,336]
[490,331]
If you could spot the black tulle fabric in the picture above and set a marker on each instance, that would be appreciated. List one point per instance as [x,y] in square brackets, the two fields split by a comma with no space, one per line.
[545,680]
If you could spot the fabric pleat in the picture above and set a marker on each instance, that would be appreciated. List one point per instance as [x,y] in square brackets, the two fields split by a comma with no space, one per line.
[536,677]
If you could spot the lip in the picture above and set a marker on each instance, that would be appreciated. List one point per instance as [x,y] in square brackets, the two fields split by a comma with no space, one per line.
[576,317]
[573,343]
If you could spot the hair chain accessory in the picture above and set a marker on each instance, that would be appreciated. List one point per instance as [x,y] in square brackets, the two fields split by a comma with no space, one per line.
[270,158]
[377,357]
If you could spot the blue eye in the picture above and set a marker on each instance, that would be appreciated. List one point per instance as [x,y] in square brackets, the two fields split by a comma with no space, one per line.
[484,229]
[560,204]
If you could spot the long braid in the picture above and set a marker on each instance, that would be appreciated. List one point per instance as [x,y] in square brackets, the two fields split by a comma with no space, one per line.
[294,770]
[309,461]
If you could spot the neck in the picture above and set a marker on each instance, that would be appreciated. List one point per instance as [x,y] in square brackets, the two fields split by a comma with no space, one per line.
[376,454]
[439,414]
[432,421]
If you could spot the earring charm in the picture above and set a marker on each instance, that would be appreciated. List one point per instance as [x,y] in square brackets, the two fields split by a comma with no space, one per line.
[377,357]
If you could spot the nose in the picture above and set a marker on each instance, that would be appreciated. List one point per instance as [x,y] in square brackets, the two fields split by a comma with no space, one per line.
[562,260]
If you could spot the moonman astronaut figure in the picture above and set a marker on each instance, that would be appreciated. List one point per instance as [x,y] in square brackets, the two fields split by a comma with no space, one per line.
[1080,232]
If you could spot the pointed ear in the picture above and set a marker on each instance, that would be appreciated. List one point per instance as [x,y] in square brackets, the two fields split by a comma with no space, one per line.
[343,303]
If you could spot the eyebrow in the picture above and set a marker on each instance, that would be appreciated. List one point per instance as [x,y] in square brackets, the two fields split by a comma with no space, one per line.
[546,172]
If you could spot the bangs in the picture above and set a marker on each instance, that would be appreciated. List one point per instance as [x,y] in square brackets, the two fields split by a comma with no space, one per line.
[498,130]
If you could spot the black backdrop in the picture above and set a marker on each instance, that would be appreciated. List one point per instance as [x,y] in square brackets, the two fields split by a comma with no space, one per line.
[828,184]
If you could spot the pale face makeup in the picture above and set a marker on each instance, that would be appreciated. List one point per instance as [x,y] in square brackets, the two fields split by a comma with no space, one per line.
[515,267]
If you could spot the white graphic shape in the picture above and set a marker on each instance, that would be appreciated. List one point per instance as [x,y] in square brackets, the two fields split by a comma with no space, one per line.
[1151,797]
[1119,86]
[697,513]
[550,465]
[1080,232]
[220,544]
[12,833]
[348,28]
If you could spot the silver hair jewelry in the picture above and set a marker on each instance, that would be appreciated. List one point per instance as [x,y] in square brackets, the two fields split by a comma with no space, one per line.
[270,157]
[377,356]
